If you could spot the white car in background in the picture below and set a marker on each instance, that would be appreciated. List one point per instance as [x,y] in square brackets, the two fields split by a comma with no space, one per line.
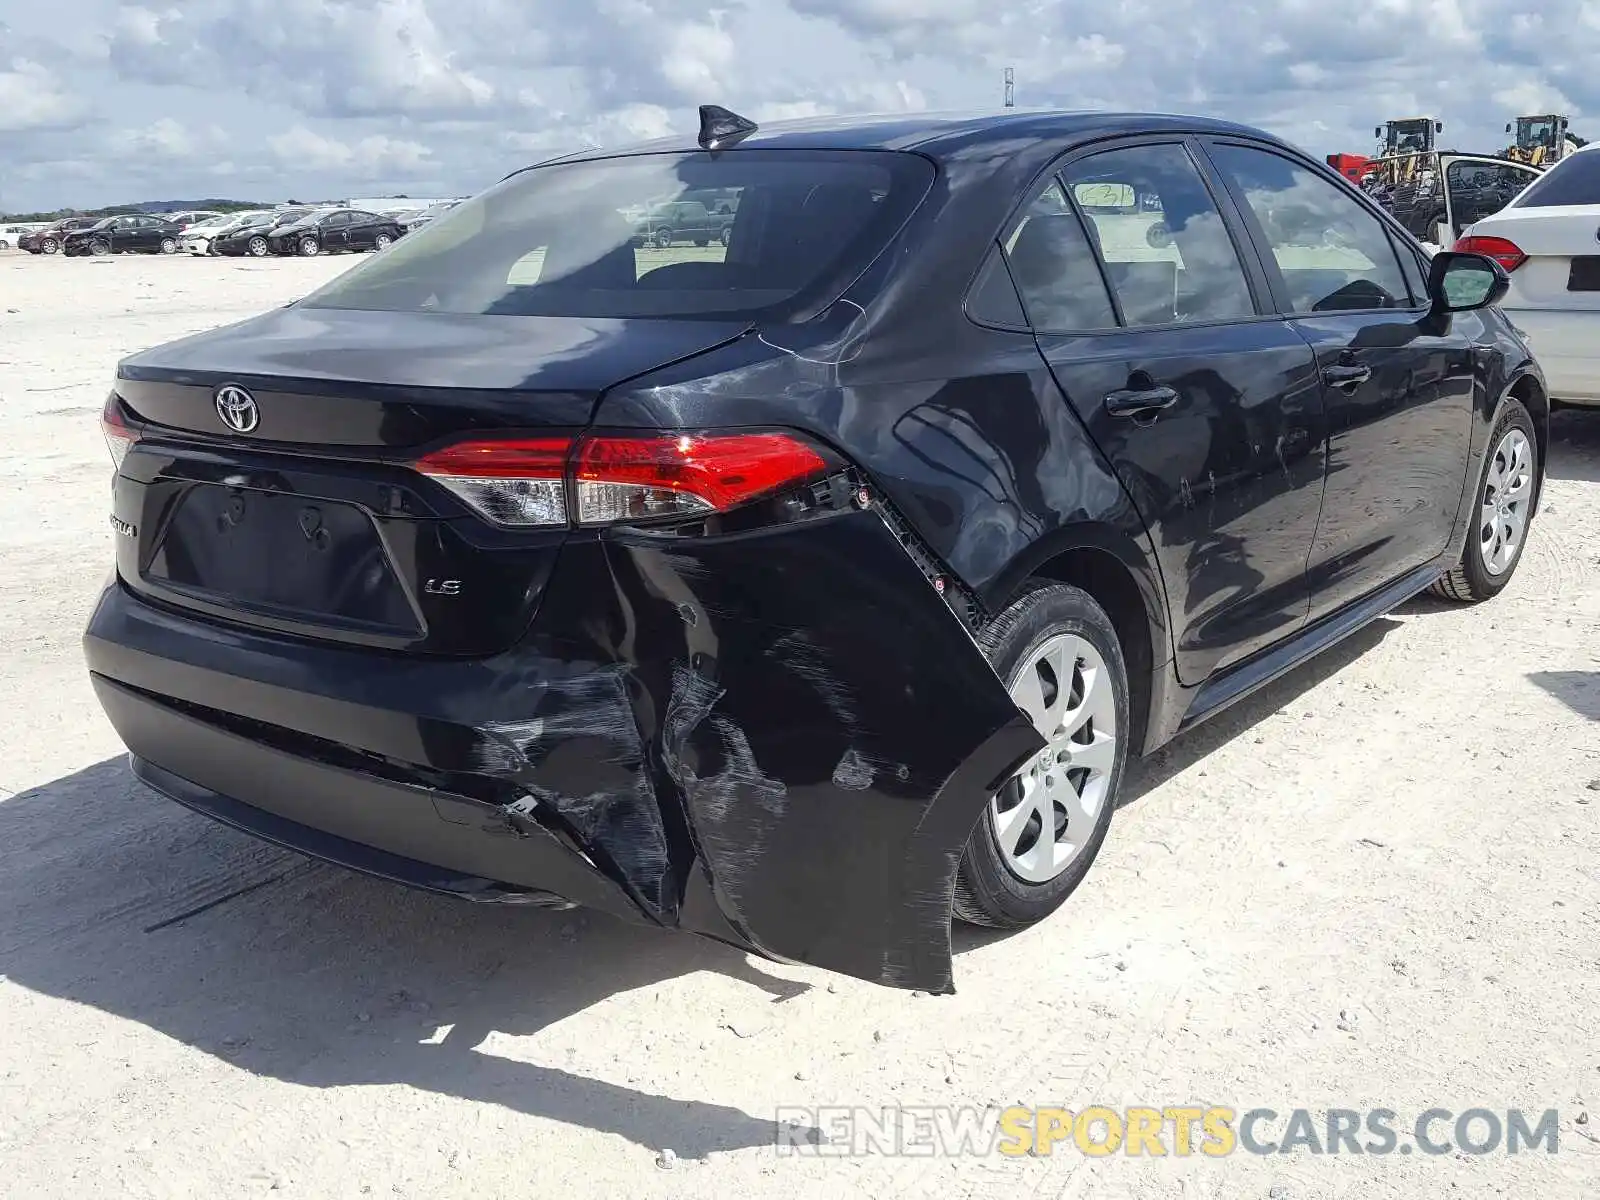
[1548,239]
[197,238]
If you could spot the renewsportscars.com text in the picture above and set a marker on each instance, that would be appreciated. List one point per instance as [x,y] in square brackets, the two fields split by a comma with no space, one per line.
[1176,1130]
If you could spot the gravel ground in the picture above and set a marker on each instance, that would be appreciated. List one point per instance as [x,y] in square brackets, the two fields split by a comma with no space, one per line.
[1374,885]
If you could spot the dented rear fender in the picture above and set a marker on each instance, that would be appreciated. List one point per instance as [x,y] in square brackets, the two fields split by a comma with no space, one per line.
[817,734]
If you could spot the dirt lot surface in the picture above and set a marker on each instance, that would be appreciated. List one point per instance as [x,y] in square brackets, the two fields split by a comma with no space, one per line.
[1374,886]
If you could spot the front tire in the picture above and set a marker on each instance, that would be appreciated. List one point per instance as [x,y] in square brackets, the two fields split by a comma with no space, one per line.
[257,247]
[1059,656]
[1507,491]
[309,246]
[99,248]
[49,246]
[169,246]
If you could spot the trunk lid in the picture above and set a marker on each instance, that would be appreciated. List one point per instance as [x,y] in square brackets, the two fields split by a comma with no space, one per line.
[1563,267]
[312,524]
[330,380]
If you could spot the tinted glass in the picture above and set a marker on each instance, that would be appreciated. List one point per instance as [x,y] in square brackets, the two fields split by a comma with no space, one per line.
[578,239]
[1167,253]
[1054,268]
[994,299]
[1333,253]
[1573,180]
[1478,189]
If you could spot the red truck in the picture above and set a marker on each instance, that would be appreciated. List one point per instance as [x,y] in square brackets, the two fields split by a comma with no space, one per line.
[1350,166]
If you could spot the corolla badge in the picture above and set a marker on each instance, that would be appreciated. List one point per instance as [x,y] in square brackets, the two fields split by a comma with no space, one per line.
[237,408]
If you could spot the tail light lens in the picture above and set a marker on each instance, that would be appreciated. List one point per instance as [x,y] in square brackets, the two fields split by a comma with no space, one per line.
[120,436]
[633,479]
[525,482]
[518,482]
[1503,250]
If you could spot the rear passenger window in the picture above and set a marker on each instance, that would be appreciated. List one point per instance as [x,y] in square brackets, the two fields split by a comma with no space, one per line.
[1333,254]
[1054,268]
[1167,253]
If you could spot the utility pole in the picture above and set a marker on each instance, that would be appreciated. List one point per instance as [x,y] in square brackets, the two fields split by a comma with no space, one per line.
[1011,88]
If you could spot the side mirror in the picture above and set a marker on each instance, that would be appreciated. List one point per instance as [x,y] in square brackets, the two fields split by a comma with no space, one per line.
[1508,126]
[1438,126]
[1378,131]
[1461,282]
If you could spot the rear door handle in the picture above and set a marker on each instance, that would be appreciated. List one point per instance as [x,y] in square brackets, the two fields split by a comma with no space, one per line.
[1347,377]
[1131,402]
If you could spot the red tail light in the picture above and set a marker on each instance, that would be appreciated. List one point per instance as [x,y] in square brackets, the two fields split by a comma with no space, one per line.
[633,478]
[1503,250]
[120,436]
[524,482]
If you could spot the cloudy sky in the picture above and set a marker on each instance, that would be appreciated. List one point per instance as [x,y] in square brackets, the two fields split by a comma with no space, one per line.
[103,102]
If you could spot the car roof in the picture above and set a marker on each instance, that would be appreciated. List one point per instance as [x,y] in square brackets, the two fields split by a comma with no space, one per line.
[941,135]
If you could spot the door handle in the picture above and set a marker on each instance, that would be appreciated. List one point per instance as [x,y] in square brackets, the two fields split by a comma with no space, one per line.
[1346,376]
[1133,402]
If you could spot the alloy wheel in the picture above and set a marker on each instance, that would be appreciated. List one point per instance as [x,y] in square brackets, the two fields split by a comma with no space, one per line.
[1045,814]
[257,247]
[1507,490]
[49,246]
[309,246]
[168,246]
[382,242]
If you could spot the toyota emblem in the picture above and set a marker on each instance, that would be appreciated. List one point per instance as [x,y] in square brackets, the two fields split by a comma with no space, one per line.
[237,408]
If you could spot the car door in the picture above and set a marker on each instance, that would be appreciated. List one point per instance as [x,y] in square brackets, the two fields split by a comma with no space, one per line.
[1207,406]
[359,230]
[1475,188]
[331,230]
[137,233]
[1397,384]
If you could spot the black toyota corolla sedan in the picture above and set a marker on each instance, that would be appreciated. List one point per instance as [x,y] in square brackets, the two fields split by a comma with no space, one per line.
[805,591]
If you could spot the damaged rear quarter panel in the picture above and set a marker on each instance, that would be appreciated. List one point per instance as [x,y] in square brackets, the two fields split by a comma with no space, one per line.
[819,732]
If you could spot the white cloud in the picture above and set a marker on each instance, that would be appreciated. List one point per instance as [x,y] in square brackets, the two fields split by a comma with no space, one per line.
[334,57]
[327,93]
[373,157]
[169,141]
[32,98]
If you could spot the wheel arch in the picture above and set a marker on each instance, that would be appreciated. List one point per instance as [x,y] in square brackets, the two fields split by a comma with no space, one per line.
[1527,388]
[1123,579]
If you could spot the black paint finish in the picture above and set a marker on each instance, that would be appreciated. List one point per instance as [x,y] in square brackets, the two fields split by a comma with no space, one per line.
[1229,477]
[679,706]
[772,728]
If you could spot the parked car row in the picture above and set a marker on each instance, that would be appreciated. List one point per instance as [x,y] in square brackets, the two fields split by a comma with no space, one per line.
[298,230]
[306,231]
[153,233]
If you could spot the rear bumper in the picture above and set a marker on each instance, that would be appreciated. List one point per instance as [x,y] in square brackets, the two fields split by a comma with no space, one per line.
[782,745]
[1567,347]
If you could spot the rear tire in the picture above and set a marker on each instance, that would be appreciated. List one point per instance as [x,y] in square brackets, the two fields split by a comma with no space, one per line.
[1507,490]
[1058,641]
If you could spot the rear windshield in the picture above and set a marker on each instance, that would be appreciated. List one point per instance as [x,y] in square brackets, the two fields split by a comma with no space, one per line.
[1574,180]
[741,233]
